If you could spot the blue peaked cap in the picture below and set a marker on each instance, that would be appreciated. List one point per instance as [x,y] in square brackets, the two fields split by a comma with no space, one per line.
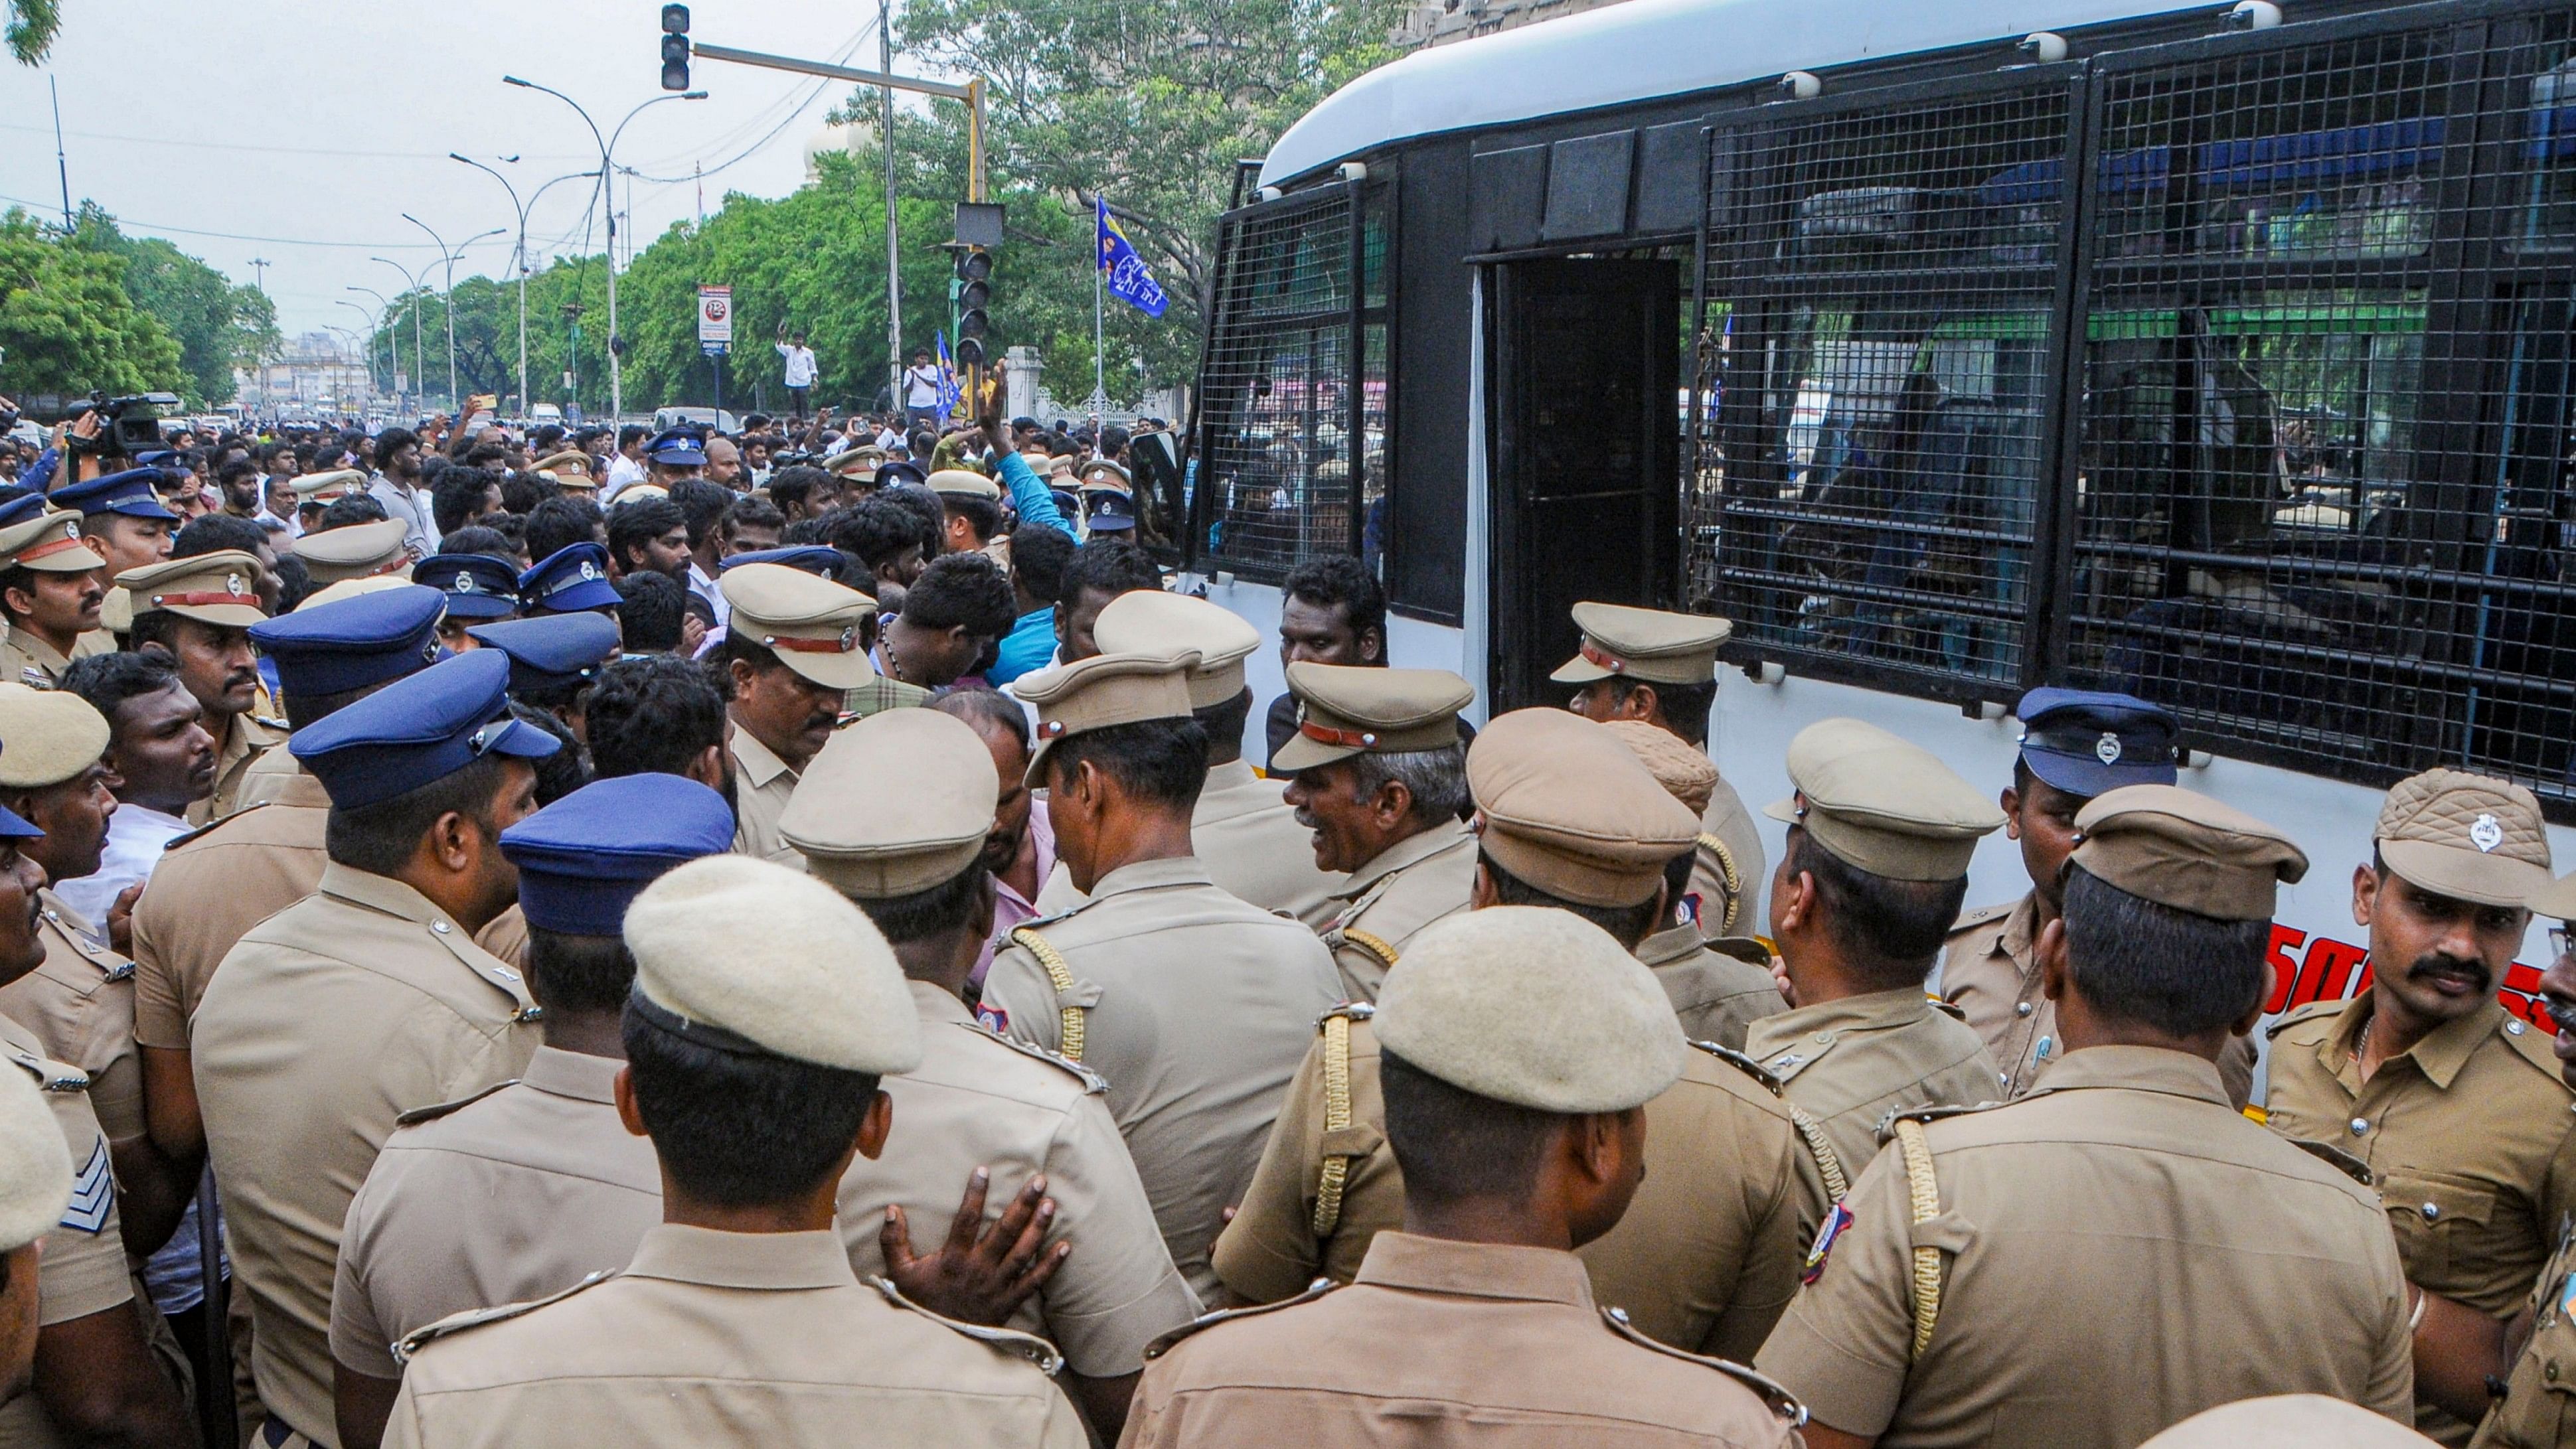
[572,578]
[129,493]
[551,650]
[353,643]
[477,585]
[583,859]
[417,730]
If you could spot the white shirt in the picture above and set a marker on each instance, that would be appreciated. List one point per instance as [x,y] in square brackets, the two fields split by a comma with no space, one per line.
[889,438]
[623,470]
[704,586]
[921,387]
[411,505]
[135,835]
[800,364]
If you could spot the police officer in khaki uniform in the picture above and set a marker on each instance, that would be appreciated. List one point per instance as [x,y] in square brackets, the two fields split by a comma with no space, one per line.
[1880,833]
[212,885]
[90,1332]
[796,645]
[1247,836]
[557,1188]
[2536,1405]
[35,1187]
[1706,1256]
[2456,1105]
[1521,1046]
[753,986]
[1195,1005]
[893,814]
[332,1018]
[1662,668]
[58,595]
[354,551]
[317,491]
[196,613]
[1718,986]
[2043,1272]
[1380,778]
[2075,744]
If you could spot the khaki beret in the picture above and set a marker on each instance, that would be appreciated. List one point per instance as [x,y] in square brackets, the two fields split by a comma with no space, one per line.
[1532,1006]
[1882,804]
[813,625]
[211,588]
[1345,710]
[1153,621]
[1649,644]
[570,460]
[1569,810]
[749,955]
[1685,772]
[35,1168]
[964,483]
[2288,1421]
[355,588]
[859,843]
[2469,837]
[322,487]
[354,552]
[49,543]
[2187,851]
[1101,691]
[47,736]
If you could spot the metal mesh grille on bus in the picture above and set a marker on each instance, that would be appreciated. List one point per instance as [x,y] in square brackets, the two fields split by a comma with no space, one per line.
[1873,371]
[1282,386]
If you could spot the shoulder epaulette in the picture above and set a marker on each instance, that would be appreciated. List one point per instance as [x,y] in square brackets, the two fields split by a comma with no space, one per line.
[418,1115]
[1093,1084]
[185,836]
[1744,1064]
[2336,1158]
[50,1075]
[456,1323]
[1742,948]
[2536,1046]
[2309,1012]
[1018,1345]
[279,725]
[1887,1124]
[1163,1344]
[1950,1009]
[1982,916]
[1347,1011]
[1779,1399]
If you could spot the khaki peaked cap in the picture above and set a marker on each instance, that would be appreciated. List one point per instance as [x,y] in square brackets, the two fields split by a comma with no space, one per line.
[897,803]
[35,1167]
[1882,804]
[1345,710]
[1149,621]
[570,460]
[1567,809]
[212,588]
[1654,645]
[47,736]
[1532,1006]
[49,543]
[354,551]
[814,626]
[2187,851]
[2470,837]
[965,482]
[320,488]
[750,956]
[852,460]
[1684,770]
[1102,691]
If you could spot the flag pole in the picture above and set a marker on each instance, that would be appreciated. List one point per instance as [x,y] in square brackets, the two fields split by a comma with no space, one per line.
[1099,368]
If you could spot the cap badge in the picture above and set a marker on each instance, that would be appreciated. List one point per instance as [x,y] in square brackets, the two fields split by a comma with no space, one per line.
[234,586]
[2107,748]
[464,584]
[1051,728]
[589,570]
[2485,833]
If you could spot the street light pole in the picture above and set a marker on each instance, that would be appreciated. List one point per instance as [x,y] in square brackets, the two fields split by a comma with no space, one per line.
[519,262]
[367,350]
[419,353]
[608,203]
[448,298]
[393,339]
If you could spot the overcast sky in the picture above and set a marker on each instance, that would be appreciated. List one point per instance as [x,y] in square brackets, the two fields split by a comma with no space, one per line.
[306,128]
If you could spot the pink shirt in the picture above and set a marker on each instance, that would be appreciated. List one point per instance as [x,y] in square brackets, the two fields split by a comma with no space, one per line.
[1009,907]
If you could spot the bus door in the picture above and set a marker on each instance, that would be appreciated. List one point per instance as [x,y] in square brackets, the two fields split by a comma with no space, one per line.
[1585,504]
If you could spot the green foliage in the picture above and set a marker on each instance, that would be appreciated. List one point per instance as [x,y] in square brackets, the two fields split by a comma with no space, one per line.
[216,321]
[32,27]
[67,323]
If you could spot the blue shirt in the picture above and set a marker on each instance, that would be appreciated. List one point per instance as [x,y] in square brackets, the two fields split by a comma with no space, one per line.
[1029,645]
[1031,500]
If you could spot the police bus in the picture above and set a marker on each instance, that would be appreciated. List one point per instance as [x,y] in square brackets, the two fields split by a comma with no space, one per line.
[2218,353]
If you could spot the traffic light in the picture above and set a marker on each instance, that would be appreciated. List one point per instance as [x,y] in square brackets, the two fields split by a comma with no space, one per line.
[675,47]
[972,292]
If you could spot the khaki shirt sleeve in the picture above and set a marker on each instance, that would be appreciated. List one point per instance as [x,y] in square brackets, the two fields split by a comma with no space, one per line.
[358,1338]
[82,1272]
[160,1017]
[1773,1255]
[1846,1343]
[2557,1194]
[1120,1290]
[1269,1251]
[1019,991]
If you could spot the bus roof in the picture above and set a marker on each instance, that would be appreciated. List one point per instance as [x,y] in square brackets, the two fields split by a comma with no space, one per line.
[1643,50]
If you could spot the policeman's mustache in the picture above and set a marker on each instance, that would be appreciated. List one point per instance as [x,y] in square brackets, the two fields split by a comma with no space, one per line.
[2436,962]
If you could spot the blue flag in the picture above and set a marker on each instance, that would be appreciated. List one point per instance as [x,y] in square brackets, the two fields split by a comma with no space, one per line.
[949,391]
[1129,282]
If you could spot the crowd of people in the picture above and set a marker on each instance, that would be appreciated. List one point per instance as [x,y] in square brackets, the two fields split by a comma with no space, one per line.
[655,937]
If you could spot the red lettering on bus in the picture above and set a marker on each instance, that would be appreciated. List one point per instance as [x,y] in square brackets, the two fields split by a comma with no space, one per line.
[2285,972]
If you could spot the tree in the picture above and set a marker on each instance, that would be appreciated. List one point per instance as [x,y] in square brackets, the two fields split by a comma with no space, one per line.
[217,322]
[32,27]
[67,324]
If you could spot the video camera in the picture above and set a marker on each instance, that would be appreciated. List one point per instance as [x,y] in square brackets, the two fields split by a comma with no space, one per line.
[127,425]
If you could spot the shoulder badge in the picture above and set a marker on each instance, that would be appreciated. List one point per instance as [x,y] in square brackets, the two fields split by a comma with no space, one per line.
[1093,1084]
[2336,1158]
[1163,1345]
[1018,1345]
[93,1192]
[418,1115]
[2309,1012]
[1887,1124]
[218,823]
[1780,1400]
[1983,916]
[1742,1063]
[456,1323]
[1347,1011]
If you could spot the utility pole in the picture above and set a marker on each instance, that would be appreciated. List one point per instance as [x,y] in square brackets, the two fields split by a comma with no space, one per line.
[894,249]
[259,267]
[62,168]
